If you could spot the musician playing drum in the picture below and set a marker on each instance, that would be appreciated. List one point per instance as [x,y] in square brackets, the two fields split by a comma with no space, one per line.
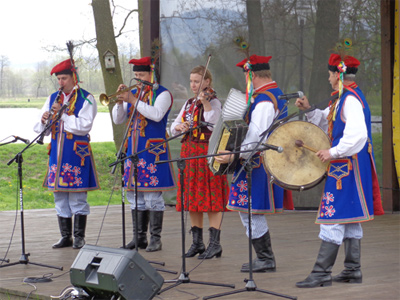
[267,198]
[205,192]
[351,193]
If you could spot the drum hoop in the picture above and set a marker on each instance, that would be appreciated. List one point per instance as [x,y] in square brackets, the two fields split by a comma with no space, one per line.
[288,185]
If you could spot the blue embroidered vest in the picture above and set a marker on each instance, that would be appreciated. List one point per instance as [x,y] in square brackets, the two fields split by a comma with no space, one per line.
[71,163]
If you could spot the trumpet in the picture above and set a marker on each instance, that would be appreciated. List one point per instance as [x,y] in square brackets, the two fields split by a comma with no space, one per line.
[106,100]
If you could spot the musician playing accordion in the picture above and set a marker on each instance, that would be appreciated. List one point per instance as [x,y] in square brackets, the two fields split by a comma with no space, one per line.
[266,198]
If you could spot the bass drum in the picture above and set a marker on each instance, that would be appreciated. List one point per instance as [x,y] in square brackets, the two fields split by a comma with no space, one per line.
[296,168]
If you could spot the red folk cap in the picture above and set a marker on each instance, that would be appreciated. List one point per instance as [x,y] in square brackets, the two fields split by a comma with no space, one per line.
[351,63]
[257,62]
[64,67]
[141,64]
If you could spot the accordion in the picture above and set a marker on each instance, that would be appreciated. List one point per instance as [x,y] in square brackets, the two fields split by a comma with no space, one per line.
[229,132]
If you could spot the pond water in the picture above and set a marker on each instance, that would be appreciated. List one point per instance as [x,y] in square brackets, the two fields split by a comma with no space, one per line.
[20,122]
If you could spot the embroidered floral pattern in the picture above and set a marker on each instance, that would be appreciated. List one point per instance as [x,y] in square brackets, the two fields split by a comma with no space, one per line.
[144,171]
[68,177]
[326,209]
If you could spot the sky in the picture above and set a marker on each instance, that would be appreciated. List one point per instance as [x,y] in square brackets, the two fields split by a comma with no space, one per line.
[27,26]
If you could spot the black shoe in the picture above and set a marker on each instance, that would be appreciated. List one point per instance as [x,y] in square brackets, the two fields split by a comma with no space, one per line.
[265,261]
[197,246]
[321,273]
[156,222]
[352,272]
[143,221]
[79,231]
[65,225]
[214,248]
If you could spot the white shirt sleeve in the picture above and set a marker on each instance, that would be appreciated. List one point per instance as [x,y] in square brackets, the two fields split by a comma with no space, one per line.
[355,133]
[39,126]
[214,114]
[119,113]
[82,124]
[261,118]
[177,121]
[157,112]
[318,117]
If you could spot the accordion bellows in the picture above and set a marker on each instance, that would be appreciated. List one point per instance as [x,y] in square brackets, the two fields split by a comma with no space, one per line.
[229,132]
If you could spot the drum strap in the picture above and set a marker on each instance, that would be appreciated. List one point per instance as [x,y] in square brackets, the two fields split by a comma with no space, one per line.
[271,96]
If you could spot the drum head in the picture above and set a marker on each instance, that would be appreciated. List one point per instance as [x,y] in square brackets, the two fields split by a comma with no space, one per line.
[296,168]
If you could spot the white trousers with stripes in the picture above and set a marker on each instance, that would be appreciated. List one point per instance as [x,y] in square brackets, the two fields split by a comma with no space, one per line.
[336,233]
[69,204]
[153,201]
[259,225]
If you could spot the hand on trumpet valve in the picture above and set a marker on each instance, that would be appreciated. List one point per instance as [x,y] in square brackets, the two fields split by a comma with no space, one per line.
[124,95]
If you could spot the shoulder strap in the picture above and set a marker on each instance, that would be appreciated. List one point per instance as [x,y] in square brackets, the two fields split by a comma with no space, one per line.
[271,96]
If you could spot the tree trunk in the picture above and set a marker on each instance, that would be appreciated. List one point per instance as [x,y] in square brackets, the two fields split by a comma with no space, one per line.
[106,41]
[255,24]
[326,37]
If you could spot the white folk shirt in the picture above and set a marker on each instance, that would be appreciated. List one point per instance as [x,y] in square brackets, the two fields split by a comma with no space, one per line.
[80,125]
[261,119]
[355,132]
[211,116]
[154,113]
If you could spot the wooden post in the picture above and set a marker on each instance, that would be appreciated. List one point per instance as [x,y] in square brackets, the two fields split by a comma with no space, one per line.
[390,188]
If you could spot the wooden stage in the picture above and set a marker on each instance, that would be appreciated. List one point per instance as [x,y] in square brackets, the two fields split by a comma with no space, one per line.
[294,240]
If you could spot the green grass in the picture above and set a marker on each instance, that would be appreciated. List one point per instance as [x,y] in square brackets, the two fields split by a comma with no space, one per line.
[34,166]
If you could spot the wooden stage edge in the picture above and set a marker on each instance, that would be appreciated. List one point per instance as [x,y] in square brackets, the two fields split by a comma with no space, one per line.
[294,241]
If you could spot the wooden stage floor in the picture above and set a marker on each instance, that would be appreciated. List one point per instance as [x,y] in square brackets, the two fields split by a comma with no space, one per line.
[294,240]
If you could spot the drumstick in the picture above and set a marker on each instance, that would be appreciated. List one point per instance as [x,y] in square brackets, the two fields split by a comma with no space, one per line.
[299,143]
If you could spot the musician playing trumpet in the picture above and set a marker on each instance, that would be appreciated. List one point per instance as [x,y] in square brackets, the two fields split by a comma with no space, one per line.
[205,193]
[71,172]
[153,103]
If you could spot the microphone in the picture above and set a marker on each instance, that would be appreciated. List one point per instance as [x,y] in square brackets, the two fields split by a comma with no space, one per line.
[155,85]
[21,139]
[206,124]
[279,149]
[299,94]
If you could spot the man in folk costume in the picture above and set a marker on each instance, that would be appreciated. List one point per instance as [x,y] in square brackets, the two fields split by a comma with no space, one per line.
[72,170]
[351,194]
[148,128]
[266,198]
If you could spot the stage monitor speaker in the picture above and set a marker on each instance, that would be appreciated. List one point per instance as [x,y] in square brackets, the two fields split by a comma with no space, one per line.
[109,273]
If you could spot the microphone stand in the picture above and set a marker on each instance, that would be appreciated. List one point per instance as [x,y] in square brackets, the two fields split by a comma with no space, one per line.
[18,158]
[121,157]
[250,284]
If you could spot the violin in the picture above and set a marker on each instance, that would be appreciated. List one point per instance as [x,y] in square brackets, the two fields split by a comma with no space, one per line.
[209,93]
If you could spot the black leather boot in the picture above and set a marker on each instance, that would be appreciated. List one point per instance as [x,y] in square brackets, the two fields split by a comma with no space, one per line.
[143,221]
[321,273]
[79,231]
[265,261]
[197,246]
[352,271]
[65,225]
[156,221]
[214,248]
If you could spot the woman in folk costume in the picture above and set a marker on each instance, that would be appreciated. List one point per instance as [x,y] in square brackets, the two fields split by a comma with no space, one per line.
[351,193]
[204,192]
[266,198]
[147,128]
[71,171]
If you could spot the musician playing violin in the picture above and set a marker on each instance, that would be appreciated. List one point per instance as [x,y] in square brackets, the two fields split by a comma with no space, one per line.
[204,192]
